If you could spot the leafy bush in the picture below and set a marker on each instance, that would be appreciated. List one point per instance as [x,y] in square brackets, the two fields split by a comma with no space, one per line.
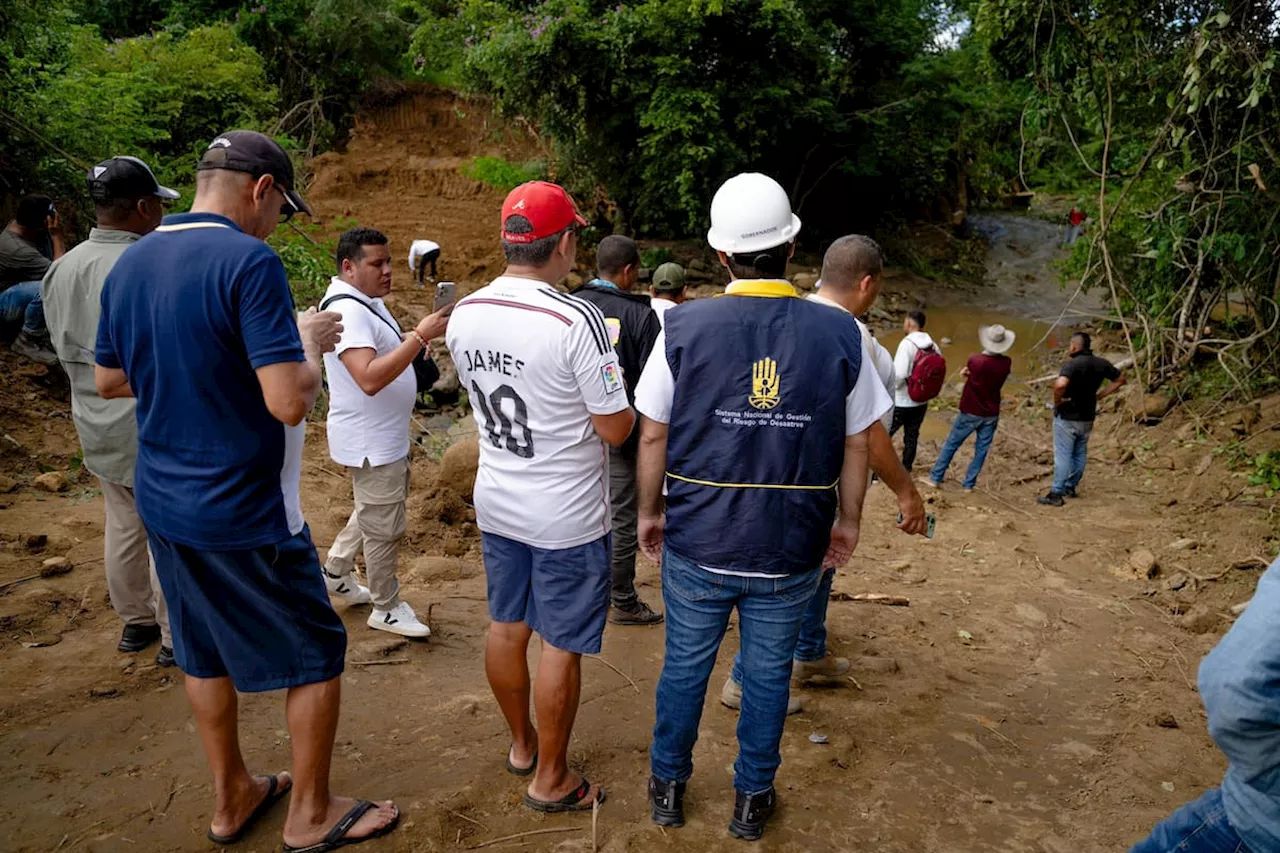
[661,100]
[162,95]
[308,260]
[655,256]
[501,175]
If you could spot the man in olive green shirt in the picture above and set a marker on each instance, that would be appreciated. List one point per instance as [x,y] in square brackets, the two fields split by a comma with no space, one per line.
[130,203]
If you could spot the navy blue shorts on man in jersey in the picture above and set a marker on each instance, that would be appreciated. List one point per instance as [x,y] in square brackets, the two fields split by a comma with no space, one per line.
[259,615]
[562,594]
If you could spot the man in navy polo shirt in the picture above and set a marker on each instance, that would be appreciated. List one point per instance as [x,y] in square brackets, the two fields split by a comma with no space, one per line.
[198,323]
[757,406]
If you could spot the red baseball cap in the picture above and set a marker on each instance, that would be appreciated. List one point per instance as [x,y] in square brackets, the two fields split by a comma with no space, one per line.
[547,207]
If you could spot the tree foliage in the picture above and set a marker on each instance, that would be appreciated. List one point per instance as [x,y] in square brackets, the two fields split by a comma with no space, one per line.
[1170,112]
[660,100]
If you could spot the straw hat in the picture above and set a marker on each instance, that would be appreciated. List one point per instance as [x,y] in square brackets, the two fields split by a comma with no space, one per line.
[996,338]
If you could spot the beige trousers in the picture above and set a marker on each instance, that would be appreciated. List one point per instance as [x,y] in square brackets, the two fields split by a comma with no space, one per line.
[376,527]
[131,573]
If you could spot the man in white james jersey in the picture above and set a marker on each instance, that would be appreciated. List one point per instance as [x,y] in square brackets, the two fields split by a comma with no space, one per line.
[545,388]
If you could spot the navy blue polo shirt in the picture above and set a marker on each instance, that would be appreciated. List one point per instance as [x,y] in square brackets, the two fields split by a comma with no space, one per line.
[189,312]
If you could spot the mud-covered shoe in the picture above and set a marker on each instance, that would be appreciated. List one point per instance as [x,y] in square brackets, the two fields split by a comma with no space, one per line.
[36,350]
[635,614]
[347,587]
[751,812]
[731,697]
[1070,492]
[165,658]
[1051,499]
[828,666]
[666,802]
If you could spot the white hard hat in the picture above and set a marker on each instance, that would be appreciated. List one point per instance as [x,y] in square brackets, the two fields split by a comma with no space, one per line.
[751,213]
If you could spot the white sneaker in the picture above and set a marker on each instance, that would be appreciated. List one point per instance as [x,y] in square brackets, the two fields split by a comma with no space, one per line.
[399,620]
[347,588]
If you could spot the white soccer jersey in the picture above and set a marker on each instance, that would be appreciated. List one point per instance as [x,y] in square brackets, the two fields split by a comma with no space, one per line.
[536,364]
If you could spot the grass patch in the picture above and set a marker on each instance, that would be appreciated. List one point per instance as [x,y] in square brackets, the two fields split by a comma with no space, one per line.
[501,174]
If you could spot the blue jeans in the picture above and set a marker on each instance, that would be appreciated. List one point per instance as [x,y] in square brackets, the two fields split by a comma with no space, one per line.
[961,428]
[22,307]
[1199,827]
[1070,452]
[812,643]
[698,604]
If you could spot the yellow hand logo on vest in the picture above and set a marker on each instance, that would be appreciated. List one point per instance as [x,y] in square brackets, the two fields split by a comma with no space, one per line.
[764,384]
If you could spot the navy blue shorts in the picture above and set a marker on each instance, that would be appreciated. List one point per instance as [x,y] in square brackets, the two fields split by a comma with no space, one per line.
[259,615]
[563,595]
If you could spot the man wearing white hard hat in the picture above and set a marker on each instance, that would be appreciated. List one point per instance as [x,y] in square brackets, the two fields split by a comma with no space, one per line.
[979,414]
[757,410]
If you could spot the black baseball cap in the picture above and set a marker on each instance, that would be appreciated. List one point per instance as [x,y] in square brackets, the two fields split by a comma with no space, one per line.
[125,177]
[255,154]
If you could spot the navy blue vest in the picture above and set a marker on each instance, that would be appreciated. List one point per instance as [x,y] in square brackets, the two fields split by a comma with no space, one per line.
[756,438]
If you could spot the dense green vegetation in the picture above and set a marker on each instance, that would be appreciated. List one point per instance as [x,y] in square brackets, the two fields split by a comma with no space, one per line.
[1165,118]
[1160,119]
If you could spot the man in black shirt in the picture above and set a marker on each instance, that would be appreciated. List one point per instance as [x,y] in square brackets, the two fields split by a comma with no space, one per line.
[633,328]
[1075,404]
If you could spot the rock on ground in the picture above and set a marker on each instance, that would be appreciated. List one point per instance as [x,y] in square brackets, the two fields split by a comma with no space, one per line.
[53,481]
[458,468]
[1142,565]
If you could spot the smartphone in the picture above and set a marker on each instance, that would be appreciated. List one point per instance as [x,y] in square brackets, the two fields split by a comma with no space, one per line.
[928,517]
[446,294]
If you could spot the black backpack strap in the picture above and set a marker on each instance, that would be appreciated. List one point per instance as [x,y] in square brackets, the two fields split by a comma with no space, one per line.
[332,299]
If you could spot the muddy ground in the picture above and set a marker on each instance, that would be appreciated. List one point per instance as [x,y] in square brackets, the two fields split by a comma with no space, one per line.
[1037,694]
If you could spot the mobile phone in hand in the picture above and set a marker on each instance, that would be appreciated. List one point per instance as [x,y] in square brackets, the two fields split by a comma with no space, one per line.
[446,294]
[928,517]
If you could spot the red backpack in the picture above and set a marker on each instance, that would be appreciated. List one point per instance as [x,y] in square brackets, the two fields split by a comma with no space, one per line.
[928,373]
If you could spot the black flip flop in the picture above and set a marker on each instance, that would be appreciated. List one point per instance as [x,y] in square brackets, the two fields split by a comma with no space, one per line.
[521,771]
[337,836]
[273,796]
[572,802]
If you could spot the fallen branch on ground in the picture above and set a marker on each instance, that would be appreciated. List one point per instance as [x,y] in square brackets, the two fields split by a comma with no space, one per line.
[379,662]
[525,835]
[873,598]
[615,669]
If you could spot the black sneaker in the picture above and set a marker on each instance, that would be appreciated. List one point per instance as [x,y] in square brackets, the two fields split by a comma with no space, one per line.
[666,802]
[165,658]
[1051,499]
[751,813]
[135,638]
[1070,492]
[635,614]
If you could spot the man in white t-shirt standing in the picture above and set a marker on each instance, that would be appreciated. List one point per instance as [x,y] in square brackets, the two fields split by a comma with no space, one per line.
[423,253]
[909,414]
[371,393]
[545,387]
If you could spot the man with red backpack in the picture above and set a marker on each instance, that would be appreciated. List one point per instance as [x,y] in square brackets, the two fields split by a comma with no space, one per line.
[919,370]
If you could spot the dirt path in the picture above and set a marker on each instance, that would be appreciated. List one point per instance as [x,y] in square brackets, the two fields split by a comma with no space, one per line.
[1034,696]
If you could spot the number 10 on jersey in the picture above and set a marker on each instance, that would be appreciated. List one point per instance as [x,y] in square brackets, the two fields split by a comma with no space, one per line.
[501,428]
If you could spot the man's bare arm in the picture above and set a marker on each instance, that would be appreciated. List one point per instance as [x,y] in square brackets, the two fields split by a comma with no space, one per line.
[1115,386]
[615,429]
[290,388]
[111,382]
[853,491]
[885,463]
[651,467]
[1060,390]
